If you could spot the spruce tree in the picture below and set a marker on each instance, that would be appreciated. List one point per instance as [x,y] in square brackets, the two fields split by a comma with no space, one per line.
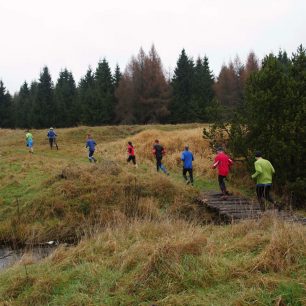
[23,108]
[65,100]
[182,84]
[6,108]
[44,106]
[104,91]
[117,76]
[87,99]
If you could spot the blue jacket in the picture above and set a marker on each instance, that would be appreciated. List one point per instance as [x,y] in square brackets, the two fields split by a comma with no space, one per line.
[187,158]
[51,134]
[91,144]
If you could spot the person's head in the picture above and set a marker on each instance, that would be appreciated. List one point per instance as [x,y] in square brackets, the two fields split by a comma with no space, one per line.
[88,136]
[186,147]
[27,131]
[51,128]
[130,143]
[219,150]
[156,141]
[258,154]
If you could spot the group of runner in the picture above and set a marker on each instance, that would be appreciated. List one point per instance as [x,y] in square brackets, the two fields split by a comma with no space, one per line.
[263,168]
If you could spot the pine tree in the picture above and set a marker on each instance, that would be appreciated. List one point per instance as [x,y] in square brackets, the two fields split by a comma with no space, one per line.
[87,99]
[202,90]
[104,91]
[117,76]
[6,108]
[182,84]
[44,106]
[65,100]
[23,108]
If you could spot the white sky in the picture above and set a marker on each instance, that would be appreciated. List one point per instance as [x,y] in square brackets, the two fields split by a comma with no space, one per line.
[77,33]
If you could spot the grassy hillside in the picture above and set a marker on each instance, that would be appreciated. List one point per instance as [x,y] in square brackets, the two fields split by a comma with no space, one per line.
[59,194]
[143,240]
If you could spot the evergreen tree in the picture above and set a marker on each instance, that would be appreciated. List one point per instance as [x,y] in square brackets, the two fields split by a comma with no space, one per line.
[104,91]
[117,76]
[202,90]
[6,108]
[44,106]
[87,99]
[65,100]
[182,84]
[23,108]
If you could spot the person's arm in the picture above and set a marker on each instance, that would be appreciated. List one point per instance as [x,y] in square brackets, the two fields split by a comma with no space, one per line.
[272,168]
[86,145]
[192,157]
[216,162]
[163,151]
[182,156]
[258,170]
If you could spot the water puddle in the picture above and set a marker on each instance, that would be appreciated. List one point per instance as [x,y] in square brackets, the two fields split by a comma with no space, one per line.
[8,256]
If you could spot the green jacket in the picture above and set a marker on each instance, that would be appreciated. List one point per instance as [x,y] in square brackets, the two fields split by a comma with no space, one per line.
[29,136]
[264,171]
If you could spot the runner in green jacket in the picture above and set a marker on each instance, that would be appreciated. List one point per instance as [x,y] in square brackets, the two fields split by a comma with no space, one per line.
[263,175]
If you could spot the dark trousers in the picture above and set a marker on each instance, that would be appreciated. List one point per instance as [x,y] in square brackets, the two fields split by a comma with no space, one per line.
[90,156]
[51,142]
[132,158]
[159,164]
[221,180]
[263,194]
[189,171]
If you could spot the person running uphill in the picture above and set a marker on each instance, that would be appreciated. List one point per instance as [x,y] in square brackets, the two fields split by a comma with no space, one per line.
[159,151]
[29,141]
[131,153]
[52,138]
[187,158]
[263,175]
[91,145]
[223,163]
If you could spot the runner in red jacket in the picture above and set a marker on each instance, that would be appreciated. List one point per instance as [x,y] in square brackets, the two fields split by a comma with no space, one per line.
[131,153]
[223,163]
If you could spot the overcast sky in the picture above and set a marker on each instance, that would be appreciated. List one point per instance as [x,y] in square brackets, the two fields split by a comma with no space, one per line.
[76,33]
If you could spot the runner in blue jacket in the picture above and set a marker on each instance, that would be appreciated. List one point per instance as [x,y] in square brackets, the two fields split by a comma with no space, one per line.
[52,138]
[91,145]
[187,158]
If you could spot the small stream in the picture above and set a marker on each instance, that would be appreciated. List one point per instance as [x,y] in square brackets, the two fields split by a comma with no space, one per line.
[8,256]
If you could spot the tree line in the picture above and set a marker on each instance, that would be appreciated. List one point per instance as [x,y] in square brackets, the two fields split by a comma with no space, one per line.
[142,94]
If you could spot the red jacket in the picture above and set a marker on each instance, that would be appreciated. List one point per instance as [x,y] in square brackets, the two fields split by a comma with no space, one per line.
[223,163]
[131,150]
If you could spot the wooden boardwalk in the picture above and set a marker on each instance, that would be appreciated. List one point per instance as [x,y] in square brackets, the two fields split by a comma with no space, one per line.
[234,208]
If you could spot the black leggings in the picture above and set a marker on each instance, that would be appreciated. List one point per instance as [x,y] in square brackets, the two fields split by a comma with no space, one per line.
[263,193]
[53,141]
[132,158]
[221,180]
[189,170]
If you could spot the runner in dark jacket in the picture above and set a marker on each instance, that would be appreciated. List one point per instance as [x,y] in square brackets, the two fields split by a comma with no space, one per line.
[159,151]
[91,145]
